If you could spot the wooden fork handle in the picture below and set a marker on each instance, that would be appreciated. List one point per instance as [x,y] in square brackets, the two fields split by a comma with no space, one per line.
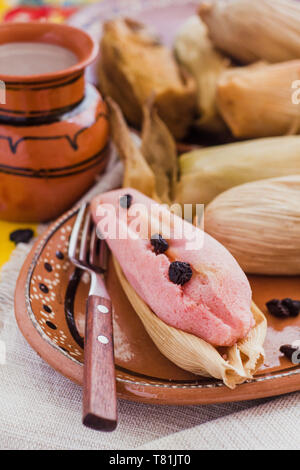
[99,391]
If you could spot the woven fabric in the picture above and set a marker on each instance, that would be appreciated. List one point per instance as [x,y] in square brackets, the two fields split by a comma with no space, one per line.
[271,426]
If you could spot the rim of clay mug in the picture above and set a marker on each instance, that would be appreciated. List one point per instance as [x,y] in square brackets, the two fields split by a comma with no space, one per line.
[74,39]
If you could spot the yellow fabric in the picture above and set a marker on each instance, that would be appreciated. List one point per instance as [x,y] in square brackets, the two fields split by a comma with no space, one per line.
[6,246]
[4,6]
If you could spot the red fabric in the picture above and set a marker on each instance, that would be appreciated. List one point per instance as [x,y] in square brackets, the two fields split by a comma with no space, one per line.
[38,13]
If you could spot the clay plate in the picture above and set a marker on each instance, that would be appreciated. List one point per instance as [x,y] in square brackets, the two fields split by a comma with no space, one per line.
[50,310]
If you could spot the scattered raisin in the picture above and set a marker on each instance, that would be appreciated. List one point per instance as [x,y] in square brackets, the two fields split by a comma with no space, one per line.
[283,308]
[276,308]
[293,306]
[180,272]
[21,236]
[288,350]
[125,201]
[159,244]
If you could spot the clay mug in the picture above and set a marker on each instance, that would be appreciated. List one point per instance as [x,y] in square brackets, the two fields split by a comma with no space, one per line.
[53,128]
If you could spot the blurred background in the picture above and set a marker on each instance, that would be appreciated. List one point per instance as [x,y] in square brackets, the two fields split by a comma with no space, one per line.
[51,10]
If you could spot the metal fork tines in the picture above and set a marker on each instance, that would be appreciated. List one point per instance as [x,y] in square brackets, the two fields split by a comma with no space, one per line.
[87,251]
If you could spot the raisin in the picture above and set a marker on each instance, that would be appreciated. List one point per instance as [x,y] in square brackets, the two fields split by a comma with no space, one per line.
[293,306]
[159,244]
[126,201]
[289,351]
[180,272]
[21,236]
[283,308]
[276,308]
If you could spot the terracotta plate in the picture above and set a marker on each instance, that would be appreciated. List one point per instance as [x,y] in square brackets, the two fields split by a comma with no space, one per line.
[50,310]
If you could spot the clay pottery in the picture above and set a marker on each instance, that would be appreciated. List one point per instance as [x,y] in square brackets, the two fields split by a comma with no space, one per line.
[53,128]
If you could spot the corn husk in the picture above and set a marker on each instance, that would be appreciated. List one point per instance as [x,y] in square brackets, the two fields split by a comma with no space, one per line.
[257,101]
[259,223]
[137,172]
[195,51]
[250,30]
[134,66]
[159,150]
[196,355]
[151,167]
[207,172]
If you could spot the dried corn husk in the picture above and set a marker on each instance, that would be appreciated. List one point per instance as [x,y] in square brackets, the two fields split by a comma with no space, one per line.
[251,30]
[195,355]
[134,66]
[195,51]
[151,167]
[137,172]
[207,172]
[257,101]
[159,151]
[259,223]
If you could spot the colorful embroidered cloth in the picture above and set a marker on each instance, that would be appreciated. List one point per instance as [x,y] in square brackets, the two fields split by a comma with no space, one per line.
[50,10]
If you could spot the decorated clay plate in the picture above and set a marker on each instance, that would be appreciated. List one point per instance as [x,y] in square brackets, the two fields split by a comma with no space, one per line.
[50,309]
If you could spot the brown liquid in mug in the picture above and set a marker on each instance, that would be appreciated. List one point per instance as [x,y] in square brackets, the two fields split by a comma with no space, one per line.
[34,58]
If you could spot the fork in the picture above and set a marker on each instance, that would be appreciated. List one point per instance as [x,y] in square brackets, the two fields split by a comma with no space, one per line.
[89,253]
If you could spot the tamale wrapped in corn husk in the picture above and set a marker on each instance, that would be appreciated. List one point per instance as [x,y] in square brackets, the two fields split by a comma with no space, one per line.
[195,51]
[134,67]
[207,172]
[250,30]
[257,101]
[196,355]
[233,365]
[259,223]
